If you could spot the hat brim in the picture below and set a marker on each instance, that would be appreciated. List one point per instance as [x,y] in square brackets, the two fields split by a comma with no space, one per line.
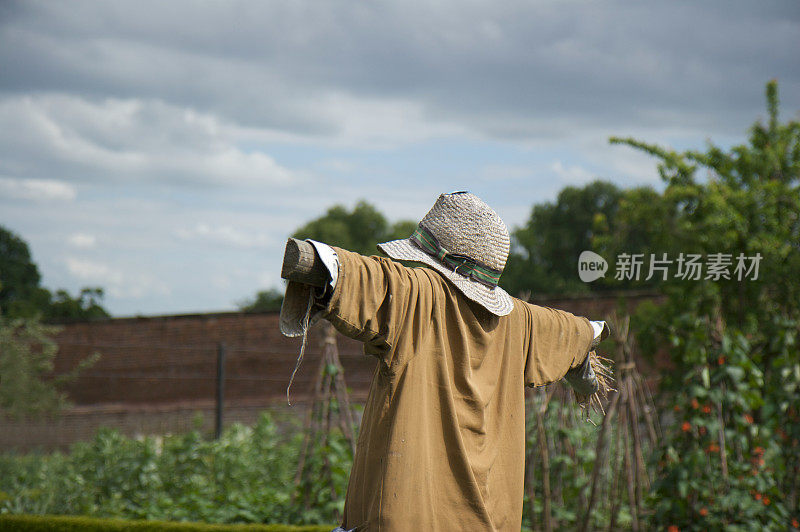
[495,300]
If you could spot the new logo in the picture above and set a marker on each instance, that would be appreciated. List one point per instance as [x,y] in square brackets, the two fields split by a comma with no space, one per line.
[591,266]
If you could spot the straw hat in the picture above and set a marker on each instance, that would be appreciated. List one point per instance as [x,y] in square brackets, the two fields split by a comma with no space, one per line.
[466,241]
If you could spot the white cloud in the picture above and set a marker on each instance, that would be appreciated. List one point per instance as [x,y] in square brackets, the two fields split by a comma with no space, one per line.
[221,282]
[97,272]
[224,234]
[339,166]
[523,69]
[266,278]
[82,240]
[117,282]
[506,172]
[634,167]
[194,138]
[381,122]
[572,174]
[36,189]
[129,140]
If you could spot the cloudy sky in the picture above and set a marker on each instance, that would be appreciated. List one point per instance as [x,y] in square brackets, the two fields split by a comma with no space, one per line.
[165,150]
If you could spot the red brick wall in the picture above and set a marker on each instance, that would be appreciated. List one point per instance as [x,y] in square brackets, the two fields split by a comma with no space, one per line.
[174,358]
[155,373]
[166,359]
[598,306]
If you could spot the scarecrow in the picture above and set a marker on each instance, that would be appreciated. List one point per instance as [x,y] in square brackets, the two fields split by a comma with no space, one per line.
[442,439]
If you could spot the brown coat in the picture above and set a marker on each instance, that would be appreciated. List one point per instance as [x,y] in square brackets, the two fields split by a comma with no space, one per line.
[442,440]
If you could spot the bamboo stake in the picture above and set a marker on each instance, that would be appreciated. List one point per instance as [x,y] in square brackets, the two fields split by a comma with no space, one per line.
[629,471]
[530,479]
[329,388]
[323,427]
[559,445]
[530,482]
[641,473]
[794,472]
[614,496]
[630,400]
[723,453]
[309,424]
[542,437]
[328,470]
[346,421]
[599,460]
[646,409]
[571,422]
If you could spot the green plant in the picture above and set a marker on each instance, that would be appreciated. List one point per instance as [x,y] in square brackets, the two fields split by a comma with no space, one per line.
[731,458]
[719,468]
[49,523]
[570,445]
[246,476]
[27,351]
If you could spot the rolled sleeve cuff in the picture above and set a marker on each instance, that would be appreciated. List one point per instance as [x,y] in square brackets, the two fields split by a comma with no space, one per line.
[330,259]
[582,378]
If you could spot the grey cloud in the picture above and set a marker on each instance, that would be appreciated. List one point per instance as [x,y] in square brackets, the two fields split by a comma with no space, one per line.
[105,105]
[36,190]
[512,70]
[114,140]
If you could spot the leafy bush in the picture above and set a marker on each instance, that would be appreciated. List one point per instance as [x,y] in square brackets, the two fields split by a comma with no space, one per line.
[27,351]
[732,458]
[28,523]
[571,444]
[247,476]
[719,467]
[729,459]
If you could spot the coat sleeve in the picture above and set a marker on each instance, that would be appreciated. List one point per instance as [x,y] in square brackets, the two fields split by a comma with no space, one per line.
[558,342]
[375,299]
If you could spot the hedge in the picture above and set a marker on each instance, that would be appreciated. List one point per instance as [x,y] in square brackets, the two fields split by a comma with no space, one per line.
[51,523]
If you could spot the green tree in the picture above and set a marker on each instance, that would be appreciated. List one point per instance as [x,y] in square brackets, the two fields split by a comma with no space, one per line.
[20,293]
[401,229]
[22,296]
[359,230]
[86,306]
[642,225]
[264,301]
[733,457]
[545,250]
